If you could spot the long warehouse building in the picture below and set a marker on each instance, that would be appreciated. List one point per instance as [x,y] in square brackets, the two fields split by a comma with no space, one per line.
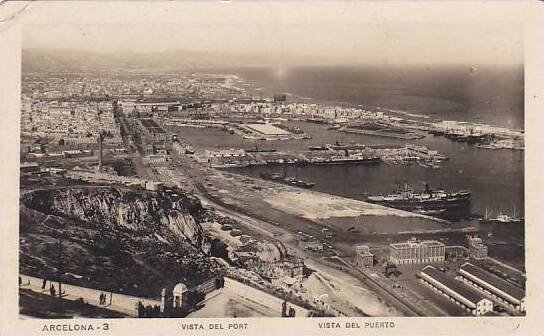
[464,296]
[492,284]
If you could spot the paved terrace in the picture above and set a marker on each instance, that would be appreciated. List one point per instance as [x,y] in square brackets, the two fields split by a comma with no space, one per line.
[234,300]
[119,302]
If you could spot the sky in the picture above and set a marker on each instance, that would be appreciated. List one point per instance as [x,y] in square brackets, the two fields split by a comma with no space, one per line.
[289,33]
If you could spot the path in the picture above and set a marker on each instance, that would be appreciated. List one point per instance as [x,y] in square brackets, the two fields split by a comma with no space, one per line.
[252,298]
[240,300]
[119,302]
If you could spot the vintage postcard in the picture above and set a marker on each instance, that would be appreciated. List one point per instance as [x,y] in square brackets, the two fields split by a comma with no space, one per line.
[271,168]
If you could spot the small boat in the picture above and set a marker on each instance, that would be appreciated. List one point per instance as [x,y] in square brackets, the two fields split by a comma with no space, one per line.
[501,218]
[318,148]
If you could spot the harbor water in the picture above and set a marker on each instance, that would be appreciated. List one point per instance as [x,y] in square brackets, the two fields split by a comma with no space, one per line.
[492,96]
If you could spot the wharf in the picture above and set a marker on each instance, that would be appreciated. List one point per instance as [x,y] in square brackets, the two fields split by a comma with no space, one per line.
[406,136]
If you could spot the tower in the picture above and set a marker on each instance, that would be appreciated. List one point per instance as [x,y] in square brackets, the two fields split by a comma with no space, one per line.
[100,139]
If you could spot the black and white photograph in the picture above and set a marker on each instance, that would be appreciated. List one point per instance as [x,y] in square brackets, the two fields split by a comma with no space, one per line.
[297,160]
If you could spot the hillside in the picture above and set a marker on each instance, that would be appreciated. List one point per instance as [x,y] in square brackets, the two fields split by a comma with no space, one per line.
[114,239]
[58,60]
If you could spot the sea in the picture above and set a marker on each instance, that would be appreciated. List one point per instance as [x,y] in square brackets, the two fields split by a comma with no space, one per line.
[478,94]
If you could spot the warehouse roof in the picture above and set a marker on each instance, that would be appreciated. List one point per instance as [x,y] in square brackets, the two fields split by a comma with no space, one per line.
[494,280]
[454,285]
[268,129]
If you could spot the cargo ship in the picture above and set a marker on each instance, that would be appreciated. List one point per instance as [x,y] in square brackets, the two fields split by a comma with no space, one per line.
[316,120]
[318,148]
[258,149]
[346,160]
[339,146]
[349,146]
[423,201]
[281,178]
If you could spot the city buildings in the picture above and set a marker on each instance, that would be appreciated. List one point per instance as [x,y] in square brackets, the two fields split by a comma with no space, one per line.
[476,248]
[363,257]
[417,252]
[182,148]
[227,158]
[500,289]
[312,245]
[225,153]
[156,159]
[149,106]
[267,263]
[29,167]
[462,295]
[456,251]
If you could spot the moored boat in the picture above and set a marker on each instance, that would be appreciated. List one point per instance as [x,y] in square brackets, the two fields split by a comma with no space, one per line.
[501,218]
[421,201]
[281,178]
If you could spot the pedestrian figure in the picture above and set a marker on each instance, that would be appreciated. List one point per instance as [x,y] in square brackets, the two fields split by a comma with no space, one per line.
[141,310]
[44,282]
[52,290]
[20,281]
[291,312]
[100,299]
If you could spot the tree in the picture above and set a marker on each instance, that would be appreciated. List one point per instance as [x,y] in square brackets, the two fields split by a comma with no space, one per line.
[219,249]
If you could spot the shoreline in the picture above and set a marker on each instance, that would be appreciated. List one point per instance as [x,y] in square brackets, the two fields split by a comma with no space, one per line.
[265,90]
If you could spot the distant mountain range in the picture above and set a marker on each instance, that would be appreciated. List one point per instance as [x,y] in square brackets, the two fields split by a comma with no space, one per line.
[58,60]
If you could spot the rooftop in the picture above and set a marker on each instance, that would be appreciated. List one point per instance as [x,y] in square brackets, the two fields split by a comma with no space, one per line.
[268,129]
[152,126]
[427,243]
[454,285]
[494,280]
[431,243]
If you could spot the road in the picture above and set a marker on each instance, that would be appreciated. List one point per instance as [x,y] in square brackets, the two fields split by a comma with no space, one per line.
[217,303]
[273,230]
[196,174]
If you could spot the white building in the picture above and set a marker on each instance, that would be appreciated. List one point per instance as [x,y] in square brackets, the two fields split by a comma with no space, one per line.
[417,252]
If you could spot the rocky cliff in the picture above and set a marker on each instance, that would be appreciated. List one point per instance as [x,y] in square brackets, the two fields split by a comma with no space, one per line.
[116,239]
[168,218]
